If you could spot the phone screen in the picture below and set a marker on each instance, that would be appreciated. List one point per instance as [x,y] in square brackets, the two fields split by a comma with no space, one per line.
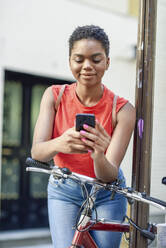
[82,119]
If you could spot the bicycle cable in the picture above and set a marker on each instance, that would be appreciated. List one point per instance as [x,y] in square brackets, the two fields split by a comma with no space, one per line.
[146,233]
[86,208]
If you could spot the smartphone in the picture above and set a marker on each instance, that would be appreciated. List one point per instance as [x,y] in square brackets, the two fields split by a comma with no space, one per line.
[82,119]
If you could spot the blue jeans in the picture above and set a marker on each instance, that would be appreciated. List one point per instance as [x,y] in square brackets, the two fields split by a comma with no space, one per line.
[64,201]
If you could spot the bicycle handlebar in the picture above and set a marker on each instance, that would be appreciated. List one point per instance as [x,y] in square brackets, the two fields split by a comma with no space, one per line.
[164,180]
[58,173]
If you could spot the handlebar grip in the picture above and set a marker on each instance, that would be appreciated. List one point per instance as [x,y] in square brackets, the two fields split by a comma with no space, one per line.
[35,163]
[164,180]
[147,234]
[160,202]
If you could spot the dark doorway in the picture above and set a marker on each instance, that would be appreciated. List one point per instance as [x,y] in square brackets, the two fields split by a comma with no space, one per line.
[23,195]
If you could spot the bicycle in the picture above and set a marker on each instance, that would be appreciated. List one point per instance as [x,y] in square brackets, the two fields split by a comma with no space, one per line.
[84,223]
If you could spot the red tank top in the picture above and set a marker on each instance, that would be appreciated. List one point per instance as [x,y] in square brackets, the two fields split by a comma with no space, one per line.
[65,117]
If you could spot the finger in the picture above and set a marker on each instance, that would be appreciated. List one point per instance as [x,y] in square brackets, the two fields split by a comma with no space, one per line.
[94,147]
[98,139]
[97,144]
[88,135]
[76,141]
[89,128]
[75,134]
[98,131]
[82,150]
[88,142]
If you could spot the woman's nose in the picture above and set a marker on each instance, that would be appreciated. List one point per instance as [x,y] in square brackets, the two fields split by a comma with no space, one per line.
[87,64]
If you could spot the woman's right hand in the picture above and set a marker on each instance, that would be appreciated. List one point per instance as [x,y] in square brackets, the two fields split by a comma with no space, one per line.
[70,142]
[44,148]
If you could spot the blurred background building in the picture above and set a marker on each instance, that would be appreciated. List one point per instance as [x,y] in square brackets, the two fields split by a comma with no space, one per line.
[33,55]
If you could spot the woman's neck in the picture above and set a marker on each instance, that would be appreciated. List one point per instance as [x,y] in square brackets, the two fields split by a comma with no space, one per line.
[89,96]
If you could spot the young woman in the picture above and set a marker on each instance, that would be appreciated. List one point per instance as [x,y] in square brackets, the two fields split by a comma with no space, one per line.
[95,152]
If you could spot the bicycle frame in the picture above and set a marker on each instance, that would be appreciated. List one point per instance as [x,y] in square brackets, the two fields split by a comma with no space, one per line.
[82,237]
[85,239]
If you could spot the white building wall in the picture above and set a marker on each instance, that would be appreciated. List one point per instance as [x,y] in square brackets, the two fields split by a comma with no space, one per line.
[35,33]
[120,6]
[34,39]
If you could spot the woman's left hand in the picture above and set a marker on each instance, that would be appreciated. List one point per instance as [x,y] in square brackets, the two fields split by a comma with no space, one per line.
[96,138]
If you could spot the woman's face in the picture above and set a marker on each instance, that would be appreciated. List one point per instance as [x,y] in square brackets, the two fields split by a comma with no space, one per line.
[88,61]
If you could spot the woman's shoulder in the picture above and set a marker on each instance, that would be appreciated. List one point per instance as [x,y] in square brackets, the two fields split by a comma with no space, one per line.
[121,102]
[108,92]
[57,87]
[127,114]
[115,97]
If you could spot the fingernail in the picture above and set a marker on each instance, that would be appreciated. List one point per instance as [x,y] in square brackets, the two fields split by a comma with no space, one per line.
[85,126]
[82,131]
[89,151]
[83,139]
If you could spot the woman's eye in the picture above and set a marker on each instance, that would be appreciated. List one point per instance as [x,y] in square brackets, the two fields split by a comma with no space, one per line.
[78,60]
[96,61]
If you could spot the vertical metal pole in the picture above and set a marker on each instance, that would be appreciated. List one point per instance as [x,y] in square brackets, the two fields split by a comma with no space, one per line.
[141,174]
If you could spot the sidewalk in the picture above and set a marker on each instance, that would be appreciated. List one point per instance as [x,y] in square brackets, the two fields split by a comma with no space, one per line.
[31,238]
[37,246]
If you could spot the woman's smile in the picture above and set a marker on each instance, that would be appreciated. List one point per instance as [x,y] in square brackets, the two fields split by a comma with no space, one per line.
[87,75]
[88,61]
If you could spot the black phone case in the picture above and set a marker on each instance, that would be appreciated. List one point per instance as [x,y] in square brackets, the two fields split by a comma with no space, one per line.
[81,119]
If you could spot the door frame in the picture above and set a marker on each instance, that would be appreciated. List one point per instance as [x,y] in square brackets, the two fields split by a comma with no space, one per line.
[28,81]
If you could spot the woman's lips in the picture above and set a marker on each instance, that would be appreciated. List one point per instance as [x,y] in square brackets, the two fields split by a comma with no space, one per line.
[88,75]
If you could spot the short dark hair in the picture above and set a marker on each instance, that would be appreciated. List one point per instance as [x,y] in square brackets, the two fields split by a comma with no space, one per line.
[89,32]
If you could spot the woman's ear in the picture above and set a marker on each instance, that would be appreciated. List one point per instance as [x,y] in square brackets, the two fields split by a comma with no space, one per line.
[108,63]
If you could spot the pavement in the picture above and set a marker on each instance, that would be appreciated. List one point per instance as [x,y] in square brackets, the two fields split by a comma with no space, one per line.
[30,238]
[37,246]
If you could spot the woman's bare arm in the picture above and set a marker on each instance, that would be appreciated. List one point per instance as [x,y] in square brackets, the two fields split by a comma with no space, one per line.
[106,165]
[121,137]
[44,148]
